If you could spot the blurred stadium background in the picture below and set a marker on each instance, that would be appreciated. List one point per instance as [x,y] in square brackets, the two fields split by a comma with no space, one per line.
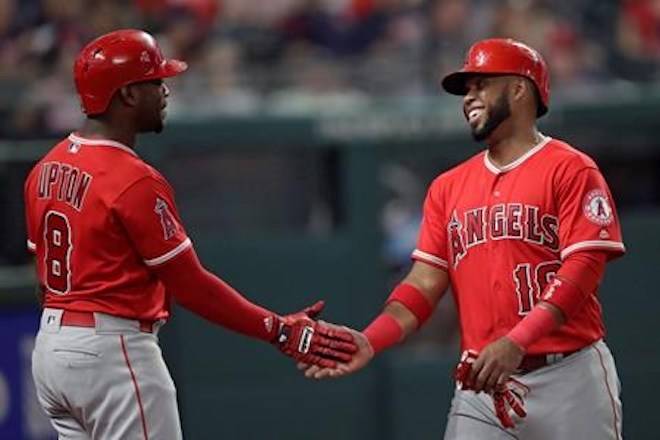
[300,145]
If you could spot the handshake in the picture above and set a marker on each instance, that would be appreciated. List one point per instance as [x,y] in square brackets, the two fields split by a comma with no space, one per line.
[313,343]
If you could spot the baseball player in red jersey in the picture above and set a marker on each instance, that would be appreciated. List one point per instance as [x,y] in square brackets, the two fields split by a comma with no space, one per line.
[112,253]
[521,232]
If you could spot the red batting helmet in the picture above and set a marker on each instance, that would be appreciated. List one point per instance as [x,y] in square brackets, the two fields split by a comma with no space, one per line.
[502,56]
[115,60]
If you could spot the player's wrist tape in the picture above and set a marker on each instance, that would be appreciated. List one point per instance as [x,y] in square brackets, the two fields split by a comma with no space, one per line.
[413,300]
[539,323]
[383,332]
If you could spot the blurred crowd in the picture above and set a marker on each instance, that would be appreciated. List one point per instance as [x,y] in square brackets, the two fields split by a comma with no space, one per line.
[310,56]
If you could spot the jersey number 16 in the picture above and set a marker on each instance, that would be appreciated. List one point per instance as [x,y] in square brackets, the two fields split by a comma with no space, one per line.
[531,282]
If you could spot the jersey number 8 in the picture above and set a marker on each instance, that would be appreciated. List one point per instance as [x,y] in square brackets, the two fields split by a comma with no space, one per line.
[57,236]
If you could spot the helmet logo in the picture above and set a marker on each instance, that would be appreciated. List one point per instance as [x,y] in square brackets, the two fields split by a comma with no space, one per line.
[481,59]
[144,57]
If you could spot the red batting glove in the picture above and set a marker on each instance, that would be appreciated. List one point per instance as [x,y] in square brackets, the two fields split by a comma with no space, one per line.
[310,342]
[507,400]
[462,373]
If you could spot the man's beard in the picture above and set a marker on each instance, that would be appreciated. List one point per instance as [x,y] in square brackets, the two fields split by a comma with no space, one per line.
[500,111]
[155,125]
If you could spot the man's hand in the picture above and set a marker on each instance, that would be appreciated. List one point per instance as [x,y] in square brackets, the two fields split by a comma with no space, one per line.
[508,398]
[311,342]
[360,359]
[496,362]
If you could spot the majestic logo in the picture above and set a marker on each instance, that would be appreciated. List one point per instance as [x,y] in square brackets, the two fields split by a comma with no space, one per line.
[166,219]
[268,323]
[597,209]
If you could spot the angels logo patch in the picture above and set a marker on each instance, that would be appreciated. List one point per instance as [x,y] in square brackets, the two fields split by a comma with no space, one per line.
[597,208]
[166,219]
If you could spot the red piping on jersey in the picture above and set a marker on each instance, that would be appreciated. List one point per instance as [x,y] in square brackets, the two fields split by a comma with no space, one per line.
[137,389]
[609,391]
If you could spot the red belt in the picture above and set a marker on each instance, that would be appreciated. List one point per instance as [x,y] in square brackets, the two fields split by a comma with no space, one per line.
[86,319]
[536,361]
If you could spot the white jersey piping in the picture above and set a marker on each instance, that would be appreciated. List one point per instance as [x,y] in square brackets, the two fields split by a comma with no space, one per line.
[169,255]
[430,258]
[100,143]
[593,244]
[508,167]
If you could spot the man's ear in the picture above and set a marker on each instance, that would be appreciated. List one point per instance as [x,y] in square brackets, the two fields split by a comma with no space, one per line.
[128,95]
[519,89]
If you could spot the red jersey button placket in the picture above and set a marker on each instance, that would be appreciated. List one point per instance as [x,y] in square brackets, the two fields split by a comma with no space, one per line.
[496,248]
[494,197]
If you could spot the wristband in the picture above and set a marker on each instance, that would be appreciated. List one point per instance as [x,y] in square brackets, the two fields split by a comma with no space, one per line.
[539,323]
[413,300]
[383,332]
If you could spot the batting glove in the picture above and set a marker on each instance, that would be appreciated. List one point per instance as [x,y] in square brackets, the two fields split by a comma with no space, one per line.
[305,340]
[508,399]
[463,369]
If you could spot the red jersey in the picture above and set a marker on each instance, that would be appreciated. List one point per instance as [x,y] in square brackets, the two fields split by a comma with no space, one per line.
[502,233]
[97,218]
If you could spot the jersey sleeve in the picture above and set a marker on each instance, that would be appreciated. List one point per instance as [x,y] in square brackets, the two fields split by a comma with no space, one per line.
[148,213]
[587,216]
[432,240]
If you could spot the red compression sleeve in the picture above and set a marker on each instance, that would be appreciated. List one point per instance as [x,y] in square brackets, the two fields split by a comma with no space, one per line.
[580,275]
[576,279]
[383,332]
[201,292]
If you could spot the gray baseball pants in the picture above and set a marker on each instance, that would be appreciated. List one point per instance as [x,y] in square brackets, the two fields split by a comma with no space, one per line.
[108,382]
[575,398]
